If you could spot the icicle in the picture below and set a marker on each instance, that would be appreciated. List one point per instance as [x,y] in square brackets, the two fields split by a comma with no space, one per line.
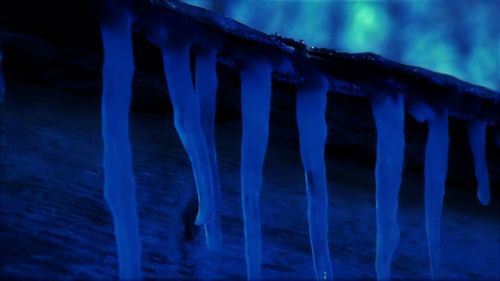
[2,81]
[187,119]
[436,165]
[206,90]
[498,137]
[255,103]
[311,106]
[119,184]
[388,112]
[477,141]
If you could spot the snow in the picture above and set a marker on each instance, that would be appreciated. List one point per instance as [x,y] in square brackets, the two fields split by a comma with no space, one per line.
[255,106]
[388,112]
[119,181]
[477,141]
[311,107]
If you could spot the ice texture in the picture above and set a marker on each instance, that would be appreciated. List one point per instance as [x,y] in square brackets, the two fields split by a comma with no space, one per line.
[498,137]
[477,141]
[388,112]
[206,89]
[311,106]
[2,80]
[255,106]
[119,181]
[436,166]
[187,120]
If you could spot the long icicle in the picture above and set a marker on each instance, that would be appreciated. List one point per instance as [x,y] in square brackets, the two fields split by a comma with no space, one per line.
[206,90]
[311,106]
[436,165]
[187,120]
[255,103]
[388,112]
[477,141]
[119,181]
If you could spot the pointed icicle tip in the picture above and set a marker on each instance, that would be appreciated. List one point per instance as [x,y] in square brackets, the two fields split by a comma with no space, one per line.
[477,141]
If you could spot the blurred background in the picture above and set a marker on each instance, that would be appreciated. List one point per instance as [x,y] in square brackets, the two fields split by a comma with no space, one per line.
[457,37]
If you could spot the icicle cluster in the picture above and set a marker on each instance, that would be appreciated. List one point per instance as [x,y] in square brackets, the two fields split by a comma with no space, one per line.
[194,112]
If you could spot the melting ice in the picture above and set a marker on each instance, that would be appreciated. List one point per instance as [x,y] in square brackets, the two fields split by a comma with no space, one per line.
[311,107]
[2,81]
[388,112]
[255,107]
[119,182]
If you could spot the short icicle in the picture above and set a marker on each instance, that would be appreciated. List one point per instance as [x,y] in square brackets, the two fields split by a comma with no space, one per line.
[2,80]
[477,141]
[119,181]
[187,120]
[388,112]
[206,90]
[311,107]
[255,103]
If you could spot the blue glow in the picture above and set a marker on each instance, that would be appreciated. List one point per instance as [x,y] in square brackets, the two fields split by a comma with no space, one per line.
[2,80]
[388,112]
[187,120]
[477,140]
[206,89]
[436,165]
[460,38]
[255,108]
[311,107]
[119,181]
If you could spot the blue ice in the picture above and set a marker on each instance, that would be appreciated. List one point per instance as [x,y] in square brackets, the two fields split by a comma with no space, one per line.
[2,80]
[477,141]
[311,106]
[388,112]
[187,121]
[436,165]
[206,89]
[119,181]
[498,137]
[255,106]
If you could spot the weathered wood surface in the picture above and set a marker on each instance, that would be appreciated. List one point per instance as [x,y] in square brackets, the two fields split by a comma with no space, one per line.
[55,224]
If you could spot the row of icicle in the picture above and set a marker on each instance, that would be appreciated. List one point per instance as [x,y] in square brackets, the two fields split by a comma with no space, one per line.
[194,110]
[194,116]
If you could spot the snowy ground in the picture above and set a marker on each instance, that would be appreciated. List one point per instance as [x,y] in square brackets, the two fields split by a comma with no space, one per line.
[55,224]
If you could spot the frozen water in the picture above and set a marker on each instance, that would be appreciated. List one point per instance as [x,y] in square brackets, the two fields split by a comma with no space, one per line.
[187,120]
[255,106]
[498,136]
[2,81]
[477,140]
[388,112]
[119,181]
[311,106]
[206,89]
[436,165]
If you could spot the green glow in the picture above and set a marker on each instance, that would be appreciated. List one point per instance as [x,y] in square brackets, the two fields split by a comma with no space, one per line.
[366,27]
[426,33]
